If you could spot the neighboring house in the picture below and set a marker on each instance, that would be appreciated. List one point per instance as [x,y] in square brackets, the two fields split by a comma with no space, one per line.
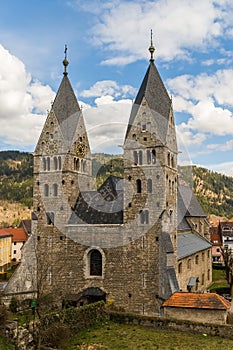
[194,248]
[198,307]
[19,237]
[226,230]
[5,250]
[216,240]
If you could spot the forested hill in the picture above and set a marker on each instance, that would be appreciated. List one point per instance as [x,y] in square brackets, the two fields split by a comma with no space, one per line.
[213,190]
[16,170]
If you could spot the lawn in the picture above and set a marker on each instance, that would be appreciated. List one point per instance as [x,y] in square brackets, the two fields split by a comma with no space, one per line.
[112,336]
[219,284]
[4,345]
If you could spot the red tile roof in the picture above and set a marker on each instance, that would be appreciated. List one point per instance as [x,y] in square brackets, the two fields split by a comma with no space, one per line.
[18,234]
[197,301]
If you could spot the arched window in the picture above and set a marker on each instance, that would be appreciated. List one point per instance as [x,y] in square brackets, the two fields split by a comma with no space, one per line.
[168,159]
[46,190]
[189,264]
[180,267]
[48,163]
[135,157]
[148,126]
[44,163]
[95,263]
[144,217]
[84,166]
[55,190]
[55,163]
[140,158]
[139,186]
[59,163]
[149,186]
[153,156]
[148,154]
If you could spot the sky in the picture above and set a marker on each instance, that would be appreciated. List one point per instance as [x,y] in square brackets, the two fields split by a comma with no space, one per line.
[108,57]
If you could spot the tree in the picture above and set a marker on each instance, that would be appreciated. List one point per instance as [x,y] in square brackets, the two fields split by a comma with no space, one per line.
[227,254]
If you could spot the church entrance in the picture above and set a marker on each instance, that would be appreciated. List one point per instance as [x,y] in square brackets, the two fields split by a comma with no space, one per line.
[87,296]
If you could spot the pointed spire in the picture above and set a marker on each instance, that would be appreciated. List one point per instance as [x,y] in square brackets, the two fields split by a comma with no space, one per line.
[151,48]
[65,61]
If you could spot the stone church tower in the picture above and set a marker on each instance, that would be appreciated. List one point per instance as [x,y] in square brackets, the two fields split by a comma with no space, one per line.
[117,242]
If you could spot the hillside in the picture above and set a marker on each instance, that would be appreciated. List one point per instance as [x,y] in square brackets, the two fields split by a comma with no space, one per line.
[213,190]
[16,170]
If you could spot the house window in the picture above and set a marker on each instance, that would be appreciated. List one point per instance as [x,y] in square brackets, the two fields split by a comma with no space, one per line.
[196,259]
[203,256]
[180,267]
[208,254]
[202,279]
[14,251]
[95,263]
[189,264]
[208,274]
[139,186]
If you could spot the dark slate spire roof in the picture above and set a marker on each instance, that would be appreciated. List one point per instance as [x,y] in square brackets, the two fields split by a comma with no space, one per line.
[153,89]
[104,206]
[65,103]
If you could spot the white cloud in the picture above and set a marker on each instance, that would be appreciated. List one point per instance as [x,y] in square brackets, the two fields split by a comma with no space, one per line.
[218,86]
[207,102]
[23,103]
[109,87]
[122,27]
[227,146]
[223,168]
[106,123]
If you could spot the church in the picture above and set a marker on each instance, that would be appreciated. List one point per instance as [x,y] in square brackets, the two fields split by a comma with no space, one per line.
[118,242]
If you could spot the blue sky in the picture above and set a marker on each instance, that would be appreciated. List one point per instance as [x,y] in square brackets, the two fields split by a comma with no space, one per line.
[108,53]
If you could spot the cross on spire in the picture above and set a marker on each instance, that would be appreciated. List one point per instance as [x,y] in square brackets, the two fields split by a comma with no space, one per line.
[65,61]
[151,48]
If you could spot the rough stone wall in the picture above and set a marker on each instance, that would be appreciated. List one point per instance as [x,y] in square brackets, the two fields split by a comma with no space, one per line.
[209,316]
[129,269]
[190,268]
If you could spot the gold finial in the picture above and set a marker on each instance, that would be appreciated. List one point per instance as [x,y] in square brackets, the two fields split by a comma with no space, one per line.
[65,61]
[151,48]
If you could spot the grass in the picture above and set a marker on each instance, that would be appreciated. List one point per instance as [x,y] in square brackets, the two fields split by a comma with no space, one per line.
[112,336]
[219,281]
[4,345]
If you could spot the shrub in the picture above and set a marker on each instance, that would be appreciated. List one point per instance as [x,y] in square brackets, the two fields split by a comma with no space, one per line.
[55,335]
[13,305]
[3,316]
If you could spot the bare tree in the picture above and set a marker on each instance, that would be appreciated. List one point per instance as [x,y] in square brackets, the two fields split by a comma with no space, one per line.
[227,254]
